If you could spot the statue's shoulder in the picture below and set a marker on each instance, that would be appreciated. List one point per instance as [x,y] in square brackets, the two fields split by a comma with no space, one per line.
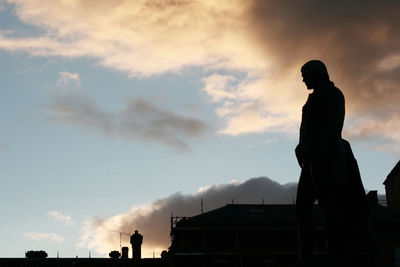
[334,93]
[337,90]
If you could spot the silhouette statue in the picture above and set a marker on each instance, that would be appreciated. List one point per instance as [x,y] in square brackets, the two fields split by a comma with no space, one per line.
[330,174]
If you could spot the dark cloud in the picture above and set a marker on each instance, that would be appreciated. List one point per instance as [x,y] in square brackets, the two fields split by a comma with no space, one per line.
[153,220]
[358,40]
[140,119]
[82,110]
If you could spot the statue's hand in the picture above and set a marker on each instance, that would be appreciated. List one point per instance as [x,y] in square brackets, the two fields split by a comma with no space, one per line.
[300,155]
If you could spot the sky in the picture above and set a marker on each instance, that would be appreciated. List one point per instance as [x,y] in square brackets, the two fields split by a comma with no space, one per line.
[115,114]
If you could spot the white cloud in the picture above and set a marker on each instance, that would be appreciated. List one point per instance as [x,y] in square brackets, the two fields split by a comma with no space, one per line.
[37,236]
[217,87]
[248,107]
[59,217]
[153,219]
[139,37]
[65,78]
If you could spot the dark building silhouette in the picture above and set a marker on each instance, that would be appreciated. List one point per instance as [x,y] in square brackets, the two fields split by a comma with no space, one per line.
[266,235]
[392,187]
[86,262]
[238,235]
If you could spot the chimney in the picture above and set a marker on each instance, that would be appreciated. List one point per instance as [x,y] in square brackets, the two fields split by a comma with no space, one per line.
[136,241]
[125,252]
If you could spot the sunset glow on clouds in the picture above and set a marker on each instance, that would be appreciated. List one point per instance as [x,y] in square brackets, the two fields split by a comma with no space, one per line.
[138,37]
[266,40]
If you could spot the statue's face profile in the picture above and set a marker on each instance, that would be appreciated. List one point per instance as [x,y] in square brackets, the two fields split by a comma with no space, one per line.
[314,74]
[308,79]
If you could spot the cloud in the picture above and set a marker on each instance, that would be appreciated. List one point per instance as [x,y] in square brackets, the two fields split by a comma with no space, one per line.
[356,41]
[153,220]
[59,217]
[217,87]
[138,37]
[246,106]
[65,78]
[266,42]
[139,119]
[37,236]
[370,128]
[392,147]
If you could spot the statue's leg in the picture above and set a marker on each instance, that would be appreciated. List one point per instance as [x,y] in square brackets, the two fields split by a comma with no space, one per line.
[304,203]
[331,199]
[335,230]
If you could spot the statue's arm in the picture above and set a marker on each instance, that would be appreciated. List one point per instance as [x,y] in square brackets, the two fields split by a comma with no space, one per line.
[334,113]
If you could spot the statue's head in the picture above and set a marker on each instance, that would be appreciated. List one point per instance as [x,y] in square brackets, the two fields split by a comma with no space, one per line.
[314,74]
